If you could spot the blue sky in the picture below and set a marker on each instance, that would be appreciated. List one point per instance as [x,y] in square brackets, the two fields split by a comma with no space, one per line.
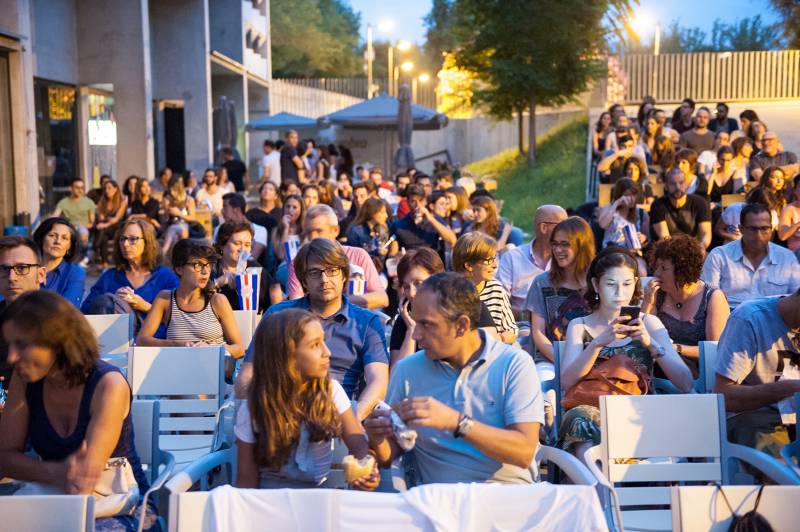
[407,15]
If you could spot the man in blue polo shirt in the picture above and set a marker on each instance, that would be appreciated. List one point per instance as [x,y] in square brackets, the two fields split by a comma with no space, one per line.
[475,403]
[355,336]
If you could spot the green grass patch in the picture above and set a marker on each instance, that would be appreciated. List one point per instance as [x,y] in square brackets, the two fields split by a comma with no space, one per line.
[559,176]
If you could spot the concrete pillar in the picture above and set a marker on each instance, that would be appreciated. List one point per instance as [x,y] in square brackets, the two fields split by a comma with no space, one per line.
[114,47]
[181,70]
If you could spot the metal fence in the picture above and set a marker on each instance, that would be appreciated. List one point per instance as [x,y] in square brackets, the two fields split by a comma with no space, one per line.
[425,93]
[712,76]
[306,101]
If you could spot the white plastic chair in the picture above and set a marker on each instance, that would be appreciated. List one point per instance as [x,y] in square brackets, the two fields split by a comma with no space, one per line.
[703,508]
[67,513]
[158,464]
[114,332]
[189,382]
[647,439]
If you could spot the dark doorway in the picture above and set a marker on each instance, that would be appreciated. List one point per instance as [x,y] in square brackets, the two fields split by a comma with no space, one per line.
[174,141]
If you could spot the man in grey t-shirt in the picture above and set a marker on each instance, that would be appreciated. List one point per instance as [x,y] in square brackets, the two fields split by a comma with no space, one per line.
[760,340]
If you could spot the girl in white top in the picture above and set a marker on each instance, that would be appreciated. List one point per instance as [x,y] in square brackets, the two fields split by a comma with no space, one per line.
[285,428]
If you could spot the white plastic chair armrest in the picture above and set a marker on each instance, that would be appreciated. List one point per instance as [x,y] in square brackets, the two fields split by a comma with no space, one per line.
[590,457]
[184,480]
[157,484]
[574,469]
[780,473]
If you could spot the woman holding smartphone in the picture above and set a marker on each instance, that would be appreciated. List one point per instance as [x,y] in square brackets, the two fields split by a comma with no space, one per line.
[612,286]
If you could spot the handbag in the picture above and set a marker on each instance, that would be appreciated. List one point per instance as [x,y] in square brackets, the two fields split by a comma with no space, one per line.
[751,521]
[116,491]
[618,375]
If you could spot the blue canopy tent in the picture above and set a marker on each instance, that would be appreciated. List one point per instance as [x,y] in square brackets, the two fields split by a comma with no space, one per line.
[282,121]
[383,113]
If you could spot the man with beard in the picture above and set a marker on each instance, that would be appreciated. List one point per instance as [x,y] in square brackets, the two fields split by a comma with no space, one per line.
[678,212]
[355,336]
[723,122]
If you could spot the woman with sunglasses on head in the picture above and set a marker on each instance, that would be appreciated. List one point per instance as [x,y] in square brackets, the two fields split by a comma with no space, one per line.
[56,239]
[556,296]
[193,314]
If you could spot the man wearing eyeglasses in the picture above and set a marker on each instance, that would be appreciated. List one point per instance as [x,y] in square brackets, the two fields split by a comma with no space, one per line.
[20,271]
[772,155]
[752,267]
[354,335]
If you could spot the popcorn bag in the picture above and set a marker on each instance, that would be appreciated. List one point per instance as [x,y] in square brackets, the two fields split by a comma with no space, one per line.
[356,285]
[632,237]
[291,247]
[247,286]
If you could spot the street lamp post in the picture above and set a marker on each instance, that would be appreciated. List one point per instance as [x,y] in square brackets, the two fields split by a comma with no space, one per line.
[656,50]
[370,55]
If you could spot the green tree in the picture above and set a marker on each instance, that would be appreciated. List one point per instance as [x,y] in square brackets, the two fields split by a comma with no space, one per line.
[531,53]
[314,38]
[789,11]
[440,35]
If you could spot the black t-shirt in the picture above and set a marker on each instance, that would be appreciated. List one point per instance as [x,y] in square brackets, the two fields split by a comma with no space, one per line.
[5,368]
[288,169]
[399,328]
[685,220]
[268,220]
[236,170]
[149,209]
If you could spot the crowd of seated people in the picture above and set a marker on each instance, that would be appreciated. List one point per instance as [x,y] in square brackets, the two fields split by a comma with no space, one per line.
[413,289]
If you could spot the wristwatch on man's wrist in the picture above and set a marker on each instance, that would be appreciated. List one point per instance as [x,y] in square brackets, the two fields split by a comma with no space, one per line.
[465,424]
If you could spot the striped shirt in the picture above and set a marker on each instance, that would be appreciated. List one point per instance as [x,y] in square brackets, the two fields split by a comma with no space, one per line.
[495,297]
[203,325]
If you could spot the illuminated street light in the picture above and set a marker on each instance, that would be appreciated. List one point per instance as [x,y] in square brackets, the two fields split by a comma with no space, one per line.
[385,26]
[403,46]
[424,77]
[407,66]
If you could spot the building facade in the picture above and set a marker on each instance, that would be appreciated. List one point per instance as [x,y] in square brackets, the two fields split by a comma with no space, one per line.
[123,87]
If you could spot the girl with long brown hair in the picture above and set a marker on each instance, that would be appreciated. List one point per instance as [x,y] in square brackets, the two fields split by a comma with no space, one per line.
[294,409]
[487,221]
[110,211]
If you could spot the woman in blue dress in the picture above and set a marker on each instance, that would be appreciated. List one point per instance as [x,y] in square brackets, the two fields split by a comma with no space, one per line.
[68,406]
[57,241]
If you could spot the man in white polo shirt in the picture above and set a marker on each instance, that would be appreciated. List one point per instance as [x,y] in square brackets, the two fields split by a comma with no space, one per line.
[753,266]
[475,403]
[519,266]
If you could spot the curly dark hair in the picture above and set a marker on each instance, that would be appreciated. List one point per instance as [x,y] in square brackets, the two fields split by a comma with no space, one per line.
[686,255]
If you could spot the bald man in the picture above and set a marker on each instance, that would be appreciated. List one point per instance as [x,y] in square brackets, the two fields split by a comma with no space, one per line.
[519,266]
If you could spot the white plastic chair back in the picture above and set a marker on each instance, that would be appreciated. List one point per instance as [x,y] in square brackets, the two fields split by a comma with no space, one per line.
[702,507]
[145,415]
[114,332]
[189,383]
[246,321]
[647,438]
[708,361]
[47,512]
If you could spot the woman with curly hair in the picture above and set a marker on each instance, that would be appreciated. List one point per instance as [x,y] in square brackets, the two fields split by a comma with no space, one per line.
[294,409]
[691,310]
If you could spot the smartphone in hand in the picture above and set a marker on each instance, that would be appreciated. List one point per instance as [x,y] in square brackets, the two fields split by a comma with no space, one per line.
[632,311]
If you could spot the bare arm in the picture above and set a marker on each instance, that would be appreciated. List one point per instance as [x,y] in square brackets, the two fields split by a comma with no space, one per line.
[577,360]
[246,466]
[743,397]
[661,230]
[301,169]
[445,232]
[786,228]
[233,337]
[515,444]
[155,316]
[376,375]
[501,242]
[705,234]
[606,214]
[539,336]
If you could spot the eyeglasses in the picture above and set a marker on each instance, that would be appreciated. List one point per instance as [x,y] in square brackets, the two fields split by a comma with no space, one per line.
[21,269]
[559,245]
[200,266]
[330,273]
[490,261]
[132,240]
[763,229]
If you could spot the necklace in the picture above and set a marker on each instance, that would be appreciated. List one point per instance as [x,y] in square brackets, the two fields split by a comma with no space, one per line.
[679,305]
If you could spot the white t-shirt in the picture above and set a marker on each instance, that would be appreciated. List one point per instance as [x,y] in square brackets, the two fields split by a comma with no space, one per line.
[311,461]
[215,198]
[273,162]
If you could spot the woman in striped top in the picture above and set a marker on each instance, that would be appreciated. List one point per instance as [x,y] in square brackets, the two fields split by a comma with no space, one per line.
[193,314]
[475,256]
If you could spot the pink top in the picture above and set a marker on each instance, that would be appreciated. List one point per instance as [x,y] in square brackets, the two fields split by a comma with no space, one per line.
[357,256]
[793,242]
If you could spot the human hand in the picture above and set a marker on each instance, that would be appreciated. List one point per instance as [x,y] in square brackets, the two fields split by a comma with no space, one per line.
[369,483]
[378,426]
[406,315]
[428,412]
[616,330]
[81,471]
[137,302]
[287,220]
[637,331]
[650,292]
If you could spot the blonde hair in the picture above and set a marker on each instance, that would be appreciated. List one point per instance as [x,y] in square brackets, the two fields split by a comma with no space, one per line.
[472,247]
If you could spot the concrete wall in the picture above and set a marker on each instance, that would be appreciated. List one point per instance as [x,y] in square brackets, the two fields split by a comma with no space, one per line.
[225,27]
[181,70]
[467,140]
[54,40]
[114,47]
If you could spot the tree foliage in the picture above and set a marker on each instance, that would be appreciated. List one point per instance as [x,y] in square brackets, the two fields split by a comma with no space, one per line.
[529,53]
[314,38]
[789,11]
[747,34]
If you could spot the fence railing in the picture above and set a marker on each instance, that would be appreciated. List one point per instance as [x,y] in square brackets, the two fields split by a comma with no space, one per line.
[306,101]
[711,76]
[425,93]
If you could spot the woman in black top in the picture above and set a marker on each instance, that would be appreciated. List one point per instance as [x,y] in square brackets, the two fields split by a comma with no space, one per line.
[145,207]
[270,207]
